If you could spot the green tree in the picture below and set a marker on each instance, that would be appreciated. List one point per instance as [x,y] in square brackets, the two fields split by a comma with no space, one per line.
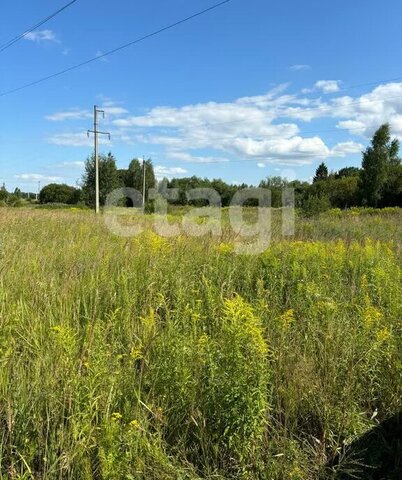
[343,191]
[133,177]
[122,176]
[3,193]
[150,179]
[392,192]
[377,162]
[348,172]
[315,204]
[300,189]
[108,178]
[225,191]
[321,173]
[163,185]
[59,193]
[276,185]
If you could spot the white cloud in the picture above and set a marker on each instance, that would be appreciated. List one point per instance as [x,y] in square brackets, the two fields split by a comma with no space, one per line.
[69,115]
[41,36]
[37,177]
[353,126]
[244,128]
[261,128]
[328,86]
[366,113]
[168,172]
[292,151]
[113,110]
[109,108]
[299,67]
[261,165]
[187,157]
[78,164]
[346,148]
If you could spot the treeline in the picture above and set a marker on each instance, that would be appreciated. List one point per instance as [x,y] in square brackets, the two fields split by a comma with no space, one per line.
[377,183]
[111,178]
[16,198]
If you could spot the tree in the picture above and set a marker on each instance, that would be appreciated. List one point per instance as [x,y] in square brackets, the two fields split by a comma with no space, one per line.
[225,191]
[150,180]
[315,204]
[108,178]
[392,191]
[3,193]
[300,189]
[343,192]
[276,185]
[163,185]
[376,166]
[321,173]
[122,176]
[59,193]
[133,178]
[348,172]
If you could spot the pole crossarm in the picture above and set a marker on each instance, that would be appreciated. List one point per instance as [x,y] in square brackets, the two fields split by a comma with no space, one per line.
[98,132]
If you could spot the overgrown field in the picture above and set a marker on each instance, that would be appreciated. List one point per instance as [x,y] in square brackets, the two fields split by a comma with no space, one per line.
[154,358]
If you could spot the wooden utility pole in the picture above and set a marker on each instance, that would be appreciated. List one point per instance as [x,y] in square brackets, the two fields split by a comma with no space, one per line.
[96,132]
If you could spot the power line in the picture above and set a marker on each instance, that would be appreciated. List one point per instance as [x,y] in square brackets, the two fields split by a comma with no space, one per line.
[34,27]
[111,52]
[369,84]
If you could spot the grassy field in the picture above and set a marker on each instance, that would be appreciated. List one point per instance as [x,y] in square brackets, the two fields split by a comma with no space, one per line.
[155,358]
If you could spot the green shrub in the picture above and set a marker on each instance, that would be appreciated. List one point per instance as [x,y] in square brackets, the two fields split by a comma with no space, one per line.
[314,205]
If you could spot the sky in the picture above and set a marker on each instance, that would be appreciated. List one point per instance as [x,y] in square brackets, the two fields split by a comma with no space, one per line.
[248,90]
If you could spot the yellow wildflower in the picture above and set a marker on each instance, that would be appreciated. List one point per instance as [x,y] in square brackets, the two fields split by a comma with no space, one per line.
[225,248]
[287,318]
[371,316]
[383,335]
[136,353]
[116,416]
[135,424]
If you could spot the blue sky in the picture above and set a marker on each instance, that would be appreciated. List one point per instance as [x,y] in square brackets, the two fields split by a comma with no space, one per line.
[252,89]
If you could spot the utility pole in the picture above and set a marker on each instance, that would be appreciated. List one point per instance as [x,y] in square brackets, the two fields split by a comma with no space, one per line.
[96,132]
[143,182]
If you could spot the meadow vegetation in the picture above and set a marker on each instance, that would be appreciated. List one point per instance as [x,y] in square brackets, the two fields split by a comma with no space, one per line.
[155,358]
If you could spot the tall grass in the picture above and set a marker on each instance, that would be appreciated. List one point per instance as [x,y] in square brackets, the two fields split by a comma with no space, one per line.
[153,358]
